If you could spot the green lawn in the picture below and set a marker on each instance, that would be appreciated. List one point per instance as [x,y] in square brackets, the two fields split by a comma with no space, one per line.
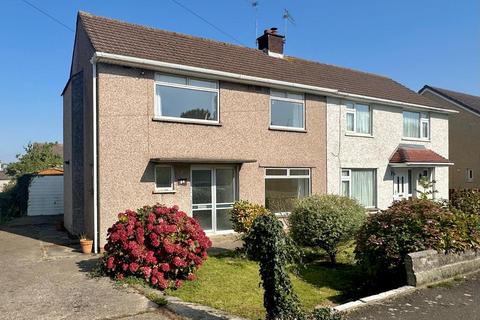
[231,283]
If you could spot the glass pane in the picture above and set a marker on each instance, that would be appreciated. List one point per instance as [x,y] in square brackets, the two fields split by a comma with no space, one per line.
[287,114]
[204,217]
[280,194]
[424,130]
[299,172]
[171,78]
[225,185]
[276,172]
[346,188]
[163,177]
[201,186]
[280,94]
[345,173]
[295,96]
[349,105]
[411,124]
[363,187]
[350,122]
[203,83]
[186,103]
[424,115]
[223,219]
[363,118]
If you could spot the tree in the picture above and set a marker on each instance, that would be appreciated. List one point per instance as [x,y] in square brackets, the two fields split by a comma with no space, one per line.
[37,157]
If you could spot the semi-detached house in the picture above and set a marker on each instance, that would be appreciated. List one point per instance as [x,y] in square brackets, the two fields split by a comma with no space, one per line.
[152,116]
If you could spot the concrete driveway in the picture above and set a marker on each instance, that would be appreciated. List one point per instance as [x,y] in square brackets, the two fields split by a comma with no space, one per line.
[458,299]
[43,276]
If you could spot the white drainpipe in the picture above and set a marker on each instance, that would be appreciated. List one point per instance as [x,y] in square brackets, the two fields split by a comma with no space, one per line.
[95,163]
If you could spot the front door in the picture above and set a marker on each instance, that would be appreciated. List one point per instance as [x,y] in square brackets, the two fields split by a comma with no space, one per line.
[213,195]
[402,184]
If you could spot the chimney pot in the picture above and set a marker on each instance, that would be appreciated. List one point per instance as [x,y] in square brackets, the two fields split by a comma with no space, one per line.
[271,42]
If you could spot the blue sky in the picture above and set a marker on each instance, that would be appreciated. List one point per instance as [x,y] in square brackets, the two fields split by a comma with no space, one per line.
[414,42]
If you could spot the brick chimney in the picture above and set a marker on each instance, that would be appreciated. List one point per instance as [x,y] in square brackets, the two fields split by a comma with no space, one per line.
[271,42]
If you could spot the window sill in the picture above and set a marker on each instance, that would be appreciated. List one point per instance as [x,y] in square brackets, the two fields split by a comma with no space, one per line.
[415,139]
[360,135]
[164,191]
[186,121]
[278,128]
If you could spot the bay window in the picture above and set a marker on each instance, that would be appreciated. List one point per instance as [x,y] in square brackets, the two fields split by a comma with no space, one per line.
[283,186]
[287,110]
[358,118]
[360,184]
[416,125]
[186,99]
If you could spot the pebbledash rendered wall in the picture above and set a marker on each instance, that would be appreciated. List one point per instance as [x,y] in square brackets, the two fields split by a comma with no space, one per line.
[348,151]
[128,138]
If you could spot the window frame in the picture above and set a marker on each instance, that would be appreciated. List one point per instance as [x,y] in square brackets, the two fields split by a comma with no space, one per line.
[302,101]
[172,179]
[353,111]
[349,180]
[421,121]
[157,106]
[289,176]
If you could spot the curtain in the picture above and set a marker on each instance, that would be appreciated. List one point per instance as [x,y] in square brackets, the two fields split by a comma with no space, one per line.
[411,124]
[363,187]
[297,110]
[363,118]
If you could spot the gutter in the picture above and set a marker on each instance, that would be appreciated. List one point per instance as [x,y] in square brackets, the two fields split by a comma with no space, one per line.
[222,75]
[95,156]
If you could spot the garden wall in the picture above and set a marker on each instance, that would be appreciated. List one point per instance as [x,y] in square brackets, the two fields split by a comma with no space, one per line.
[429,266]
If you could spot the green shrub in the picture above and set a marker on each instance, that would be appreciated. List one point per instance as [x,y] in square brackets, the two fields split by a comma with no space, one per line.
[267,243]
[243,213]
[324,314]
[467,201]
[326,221]
[411,226]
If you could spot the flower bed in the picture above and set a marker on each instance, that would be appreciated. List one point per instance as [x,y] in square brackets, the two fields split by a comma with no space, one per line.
[159,244]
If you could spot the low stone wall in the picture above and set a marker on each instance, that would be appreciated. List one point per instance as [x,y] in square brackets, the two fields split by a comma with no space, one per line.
[429,266]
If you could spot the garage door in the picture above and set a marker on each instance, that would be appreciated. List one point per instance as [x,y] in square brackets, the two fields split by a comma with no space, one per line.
[45,196]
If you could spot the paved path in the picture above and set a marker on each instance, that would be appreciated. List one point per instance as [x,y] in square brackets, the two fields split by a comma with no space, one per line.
[453,300]
[43,276]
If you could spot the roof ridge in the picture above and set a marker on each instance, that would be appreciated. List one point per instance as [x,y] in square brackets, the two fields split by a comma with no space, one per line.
[84,13]
[453,91]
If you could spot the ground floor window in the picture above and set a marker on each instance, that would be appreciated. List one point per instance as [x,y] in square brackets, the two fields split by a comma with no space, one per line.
[283,186]
[360,184]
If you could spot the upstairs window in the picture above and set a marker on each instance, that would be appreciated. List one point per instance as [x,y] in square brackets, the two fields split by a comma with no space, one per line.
[287,110]
[359,119]
[416,125]
[186,99]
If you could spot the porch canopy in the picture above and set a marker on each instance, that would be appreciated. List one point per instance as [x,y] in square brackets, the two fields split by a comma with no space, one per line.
[201,160]
[417,156]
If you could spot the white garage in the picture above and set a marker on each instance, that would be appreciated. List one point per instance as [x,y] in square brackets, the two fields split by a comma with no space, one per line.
[45,194]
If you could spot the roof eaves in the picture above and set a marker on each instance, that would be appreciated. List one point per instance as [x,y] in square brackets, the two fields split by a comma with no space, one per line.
[166,66]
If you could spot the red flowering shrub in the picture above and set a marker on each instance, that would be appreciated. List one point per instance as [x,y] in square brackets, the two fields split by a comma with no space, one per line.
[160,244]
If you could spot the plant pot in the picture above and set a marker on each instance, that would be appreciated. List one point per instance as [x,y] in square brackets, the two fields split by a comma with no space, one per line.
[86,246]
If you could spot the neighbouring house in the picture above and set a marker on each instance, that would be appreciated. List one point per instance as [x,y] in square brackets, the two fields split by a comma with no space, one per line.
[4,179]
[45,193]
[156,116]
[464,133]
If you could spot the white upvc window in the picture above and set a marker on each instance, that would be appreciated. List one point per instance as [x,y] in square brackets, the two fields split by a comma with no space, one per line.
[287,110]
[359,118]
[360,184]
[186,99]
[164,177]
[469,175]
[283,186]
[416,125]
